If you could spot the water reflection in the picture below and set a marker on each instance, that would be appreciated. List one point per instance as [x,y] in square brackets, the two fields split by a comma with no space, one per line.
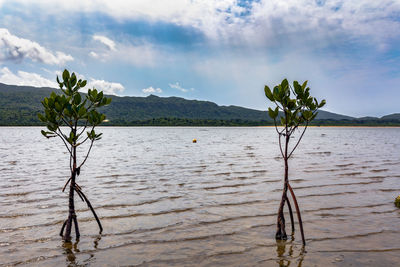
[286,258]
[69,249]
[96,241]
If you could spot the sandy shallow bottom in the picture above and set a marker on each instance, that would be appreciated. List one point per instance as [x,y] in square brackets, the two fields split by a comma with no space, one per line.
[164,201]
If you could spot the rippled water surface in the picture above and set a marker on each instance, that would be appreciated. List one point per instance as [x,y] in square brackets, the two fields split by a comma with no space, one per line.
[165,201]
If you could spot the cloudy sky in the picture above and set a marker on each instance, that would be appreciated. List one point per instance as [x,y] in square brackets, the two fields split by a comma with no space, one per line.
[223,51]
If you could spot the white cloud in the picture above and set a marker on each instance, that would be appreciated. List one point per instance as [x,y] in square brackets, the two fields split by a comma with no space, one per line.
[264,21]
[110,44]
[180,88]
[151,90]
[141,54]
[110,88]
[321,20]
[24,78]
[93,54]
[14,48]
[34,79]
[206,16]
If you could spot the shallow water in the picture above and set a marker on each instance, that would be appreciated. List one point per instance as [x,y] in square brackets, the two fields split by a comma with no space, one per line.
[165,201]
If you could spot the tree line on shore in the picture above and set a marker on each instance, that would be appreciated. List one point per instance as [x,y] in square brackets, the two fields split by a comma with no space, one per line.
[19,106]
[30,119]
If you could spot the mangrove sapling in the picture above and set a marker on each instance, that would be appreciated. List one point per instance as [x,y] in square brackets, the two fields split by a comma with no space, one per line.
[294,113]
[80,117]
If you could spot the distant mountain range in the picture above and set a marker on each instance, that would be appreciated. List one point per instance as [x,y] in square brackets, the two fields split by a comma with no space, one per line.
[19,105]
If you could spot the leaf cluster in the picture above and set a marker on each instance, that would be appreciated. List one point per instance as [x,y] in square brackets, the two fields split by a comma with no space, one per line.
[299,109]
[70,109]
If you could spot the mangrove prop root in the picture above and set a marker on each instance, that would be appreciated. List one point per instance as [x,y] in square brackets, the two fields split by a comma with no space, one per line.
[298,213]
[62,228]
[77,186]
[290,213]
[280,231]
[67,236]
[65,186]
[80,194]
[76,227]
[91,208]
[74,220]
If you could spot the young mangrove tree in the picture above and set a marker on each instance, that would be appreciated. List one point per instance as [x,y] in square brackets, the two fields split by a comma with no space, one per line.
[291,114]
[73,118]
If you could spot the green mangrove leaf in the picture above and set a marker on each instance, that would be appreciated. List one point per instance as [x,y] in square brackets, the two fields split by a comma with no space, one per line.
[65,75]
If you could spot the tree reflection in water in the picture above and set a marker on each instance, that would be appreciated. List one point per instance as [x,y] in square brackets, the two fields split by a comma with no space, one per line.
[284,260]
[96,241]
[70,249]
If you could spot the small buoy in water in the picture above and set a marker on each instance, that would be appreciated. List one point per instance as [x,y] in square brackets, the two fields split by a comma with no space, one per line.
[194,140]
[397,201]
